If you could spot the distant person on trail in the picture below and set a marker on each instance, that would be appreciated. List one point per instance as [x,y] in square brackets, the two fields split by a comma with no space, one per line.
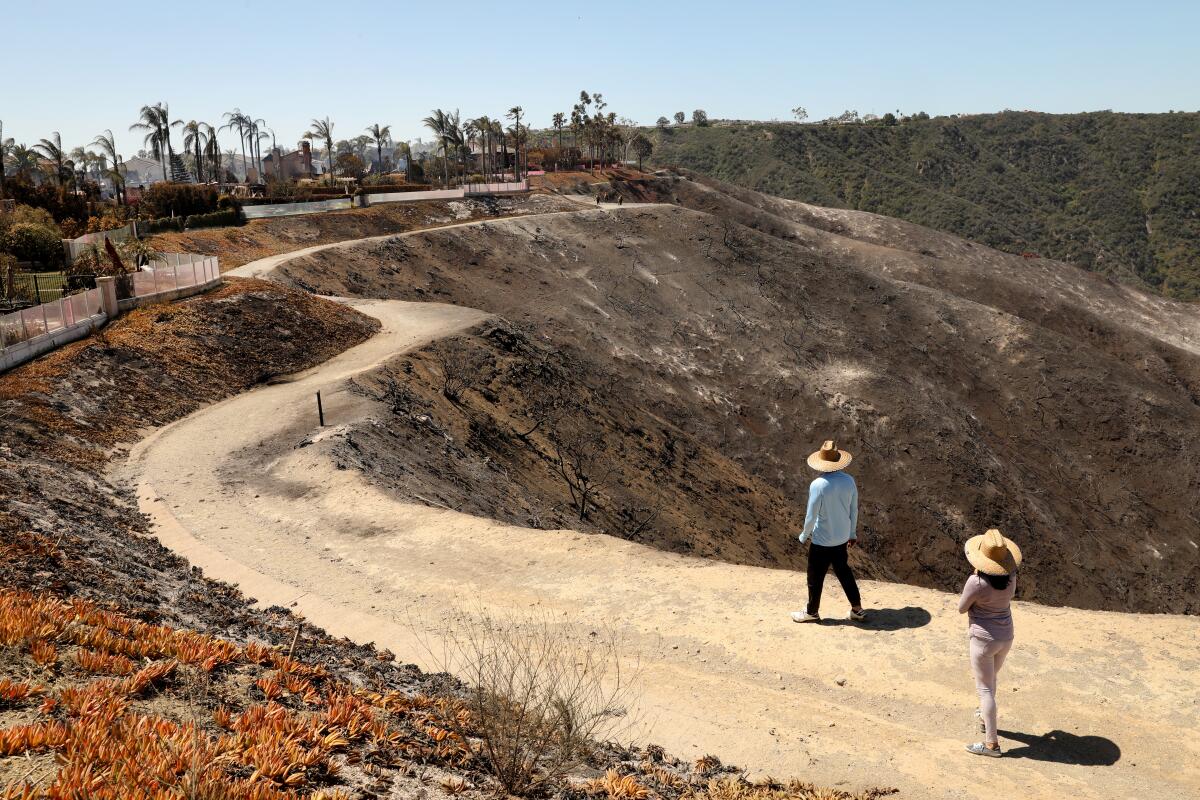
[620,199]
[986,600]
[832,524]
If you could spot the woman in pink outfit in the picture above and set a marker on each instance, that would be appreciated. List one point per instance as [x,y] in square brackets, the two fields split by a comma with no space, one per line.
[987,602]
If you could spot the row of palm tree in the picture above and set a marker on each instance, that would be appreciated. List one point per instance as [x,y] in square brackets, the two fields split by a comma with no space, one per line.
[457,140]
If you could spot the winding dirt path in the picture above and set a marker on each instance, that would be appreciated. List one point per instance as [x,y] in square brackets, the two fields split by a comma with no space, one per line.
[1093,704]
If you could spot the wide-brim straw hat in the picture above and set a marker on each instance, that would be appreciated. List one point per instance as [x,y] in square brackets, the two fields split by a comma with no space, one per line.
[829,458]
[993,553]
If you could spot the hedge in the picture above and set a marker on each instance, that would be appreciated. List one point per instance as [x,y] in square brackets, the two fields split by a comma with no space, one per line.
[161,225]
[394,188]
[216,219]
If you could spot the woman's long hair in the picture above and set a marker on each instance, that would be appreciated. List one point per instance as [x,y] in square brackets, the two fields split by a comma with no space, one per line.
[999,582]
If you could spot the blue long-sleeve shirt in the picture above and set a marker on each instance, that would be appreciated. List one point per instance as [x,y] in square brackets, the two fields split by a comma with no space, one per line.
[832,517]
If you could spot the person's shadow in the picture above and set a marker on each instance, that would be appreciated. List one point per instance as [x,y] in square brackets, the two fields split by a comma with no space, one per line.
[1064,748]
[887,619]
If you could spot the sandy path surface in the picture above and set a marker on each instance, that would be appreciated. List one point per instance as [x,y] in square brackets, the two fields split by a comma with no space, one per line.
[1093,704]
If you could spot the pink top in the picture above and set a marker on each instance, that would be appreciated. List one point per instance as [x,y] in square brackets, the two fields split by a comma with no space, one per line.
[988,610]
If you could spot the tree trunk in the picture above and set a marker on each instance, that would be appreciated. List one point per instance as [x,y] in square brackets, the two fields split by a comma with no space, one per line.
[245,169]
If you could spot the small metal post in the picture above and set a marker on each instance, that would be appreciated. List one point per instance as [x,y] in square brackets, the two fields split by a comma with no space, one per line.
[320,409]
[154,274]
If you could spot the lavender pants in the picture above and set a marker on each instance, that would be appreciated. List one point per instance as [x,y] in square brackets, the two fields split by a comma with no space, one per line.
[986,660]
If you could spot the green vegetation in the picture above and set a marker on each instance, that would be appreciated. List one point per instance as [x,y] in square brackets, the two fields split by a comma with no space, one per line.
[1114,193]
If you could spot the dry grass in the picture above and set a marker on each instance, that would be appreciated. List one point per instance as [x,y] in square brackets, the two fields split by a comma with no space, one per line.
[289,744]
[540,694]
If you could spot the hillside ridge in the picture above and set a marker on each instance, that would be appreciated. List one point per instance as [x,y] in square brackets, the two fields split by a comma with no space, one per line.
[1115,193]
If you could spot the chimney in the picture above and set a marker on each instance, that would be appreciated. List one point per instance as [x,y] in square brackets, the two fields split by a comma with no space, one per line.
[306,150]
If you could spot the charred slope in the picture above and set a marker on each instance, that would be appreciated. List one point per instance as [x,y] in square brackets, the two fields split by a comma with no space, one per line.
[1067,425]
[529,433]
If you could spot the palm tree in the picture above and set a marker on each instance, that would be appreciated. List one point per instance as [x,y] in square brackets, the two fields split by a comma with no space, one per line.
[5,146]
[514,114]
[83,159]
[52,150]
[323,129]
[24,160]
[560,120]
[379,134]
[155,120]
[439,122]
[108,145]
[211,150]
[236,120]
[193,142]
[405,149]
[257,137]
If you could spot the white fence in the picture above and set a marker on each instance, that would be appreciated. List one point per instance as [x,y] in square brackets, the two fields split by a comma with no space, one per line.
[75,247]
[401,197]
[48,318]
[497,188]
[172,272]
[292,209]
[28,333]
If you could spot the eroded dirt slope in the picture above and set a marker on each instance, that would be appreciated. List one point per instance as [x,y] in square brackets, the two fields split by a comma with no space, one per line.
[1067,424]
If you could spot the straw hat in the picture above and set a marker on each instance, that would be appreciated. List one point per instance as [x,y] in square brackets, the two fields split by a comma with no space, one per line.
[993,553]
[829,458]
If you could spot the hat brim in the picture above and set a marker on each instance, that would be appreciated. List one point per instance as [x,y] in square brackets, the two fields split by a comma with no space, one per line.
[821,465]
[987,565]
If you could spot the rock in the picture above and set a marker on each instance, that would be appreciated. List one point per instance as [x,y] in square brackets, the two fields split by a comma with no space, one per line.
[841,681]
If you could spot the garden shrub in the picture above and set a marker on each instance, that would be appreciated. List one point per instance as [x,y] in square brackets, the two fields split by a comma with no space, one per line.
[24,213]
[28,241]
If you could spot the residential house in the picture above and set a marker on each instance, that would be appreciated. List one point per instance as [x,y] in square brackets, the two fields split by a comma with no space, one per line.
[290,166]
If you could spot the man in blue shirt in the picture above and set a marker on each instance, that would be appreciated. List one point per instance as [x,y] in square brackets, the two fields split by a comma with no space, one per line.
[832,525]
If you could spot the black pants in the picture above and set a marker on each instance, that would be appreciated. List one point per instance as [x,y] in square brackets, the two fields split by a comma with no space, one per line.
[820,559]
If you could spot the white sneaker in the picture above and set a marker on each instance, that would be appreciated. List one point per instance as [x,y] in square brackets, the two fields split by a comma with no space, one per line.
[804,616]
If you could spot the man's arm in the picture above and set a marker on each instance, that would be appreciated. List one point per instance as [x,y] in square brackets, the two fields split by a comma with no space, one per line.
[853,510]
[810,516]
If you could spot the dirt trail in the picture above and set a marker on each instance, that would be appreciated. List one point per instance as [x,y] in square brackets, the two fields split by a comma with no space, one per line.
[1093,704]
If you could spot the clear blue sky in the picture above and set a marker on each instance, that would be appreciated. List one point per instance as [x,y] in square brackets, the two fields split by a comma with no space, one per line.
[81,67]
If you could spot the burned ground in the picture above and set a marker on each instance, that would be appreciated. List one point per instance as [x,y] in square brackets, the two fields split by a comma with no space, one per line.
[1062,413]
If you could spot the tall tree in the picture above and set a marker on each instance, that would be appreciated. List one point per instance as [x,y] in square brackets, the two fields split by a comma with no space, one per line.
[237,121]
[680,117]
[258,136]
[642,148]
[379,134]
[212,150]
[155,121]
[323,129]
[108,145]
[439,123]
[5,146]
[52,150]
[194,143]
[24,160]
[514,114]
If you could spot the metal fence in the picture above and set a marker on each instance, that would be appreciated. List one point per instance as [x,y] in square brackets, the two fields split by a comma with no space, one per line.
[172,272]
[34,288]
